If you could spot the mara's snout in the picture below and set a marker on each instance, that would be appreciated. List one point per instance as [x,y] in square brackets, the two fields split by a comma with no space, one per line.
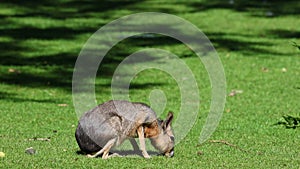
[170,153]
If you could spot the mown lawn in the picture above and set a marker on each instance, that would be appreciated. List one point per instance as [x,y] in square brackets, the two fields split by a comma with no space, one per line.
[40,41]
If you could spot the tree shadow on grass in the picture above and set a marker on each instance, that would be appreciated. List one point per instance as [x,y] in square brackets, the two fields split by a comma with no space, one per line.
[59,66]
[61,75]
[232,42]
[15,98]
[56,33]
[259,8]
[68,9]
[283,34]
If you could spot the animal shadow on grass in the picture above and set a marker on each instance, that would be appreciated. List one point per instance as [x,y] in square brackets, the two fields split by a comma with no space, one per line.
[123,153]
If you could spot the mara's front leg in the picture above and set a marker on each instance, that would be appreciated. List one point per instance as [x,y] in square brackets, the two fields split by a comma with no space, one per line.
[141,135]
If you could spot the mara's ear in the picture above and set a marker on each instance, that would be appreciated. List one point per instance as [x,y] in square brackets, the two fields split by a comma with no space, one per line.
[167,123]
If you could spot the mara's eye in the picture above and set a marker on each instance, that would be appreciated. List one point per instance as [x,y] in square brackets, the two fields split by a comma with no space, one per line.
[172,138]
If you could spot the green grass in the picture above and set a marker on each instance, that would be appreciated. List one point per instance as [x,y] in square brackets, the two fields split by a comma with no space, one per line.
[40,42]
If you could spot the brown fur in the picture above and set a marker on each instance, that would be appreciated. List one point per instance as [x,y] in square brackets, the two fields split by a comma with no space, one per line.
[152,130]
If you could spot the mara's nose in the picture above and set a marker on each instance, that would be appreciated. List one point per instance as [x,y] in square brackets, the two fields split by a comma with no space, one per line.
[171,153]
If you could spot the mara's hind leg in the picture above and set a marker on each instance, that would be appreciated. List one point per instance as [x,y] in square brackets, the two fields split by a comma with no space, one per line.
[105,150]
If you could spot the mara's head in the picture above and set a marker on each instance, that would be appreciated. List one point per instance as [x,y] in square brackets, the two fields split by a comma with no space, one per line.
[164,140]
